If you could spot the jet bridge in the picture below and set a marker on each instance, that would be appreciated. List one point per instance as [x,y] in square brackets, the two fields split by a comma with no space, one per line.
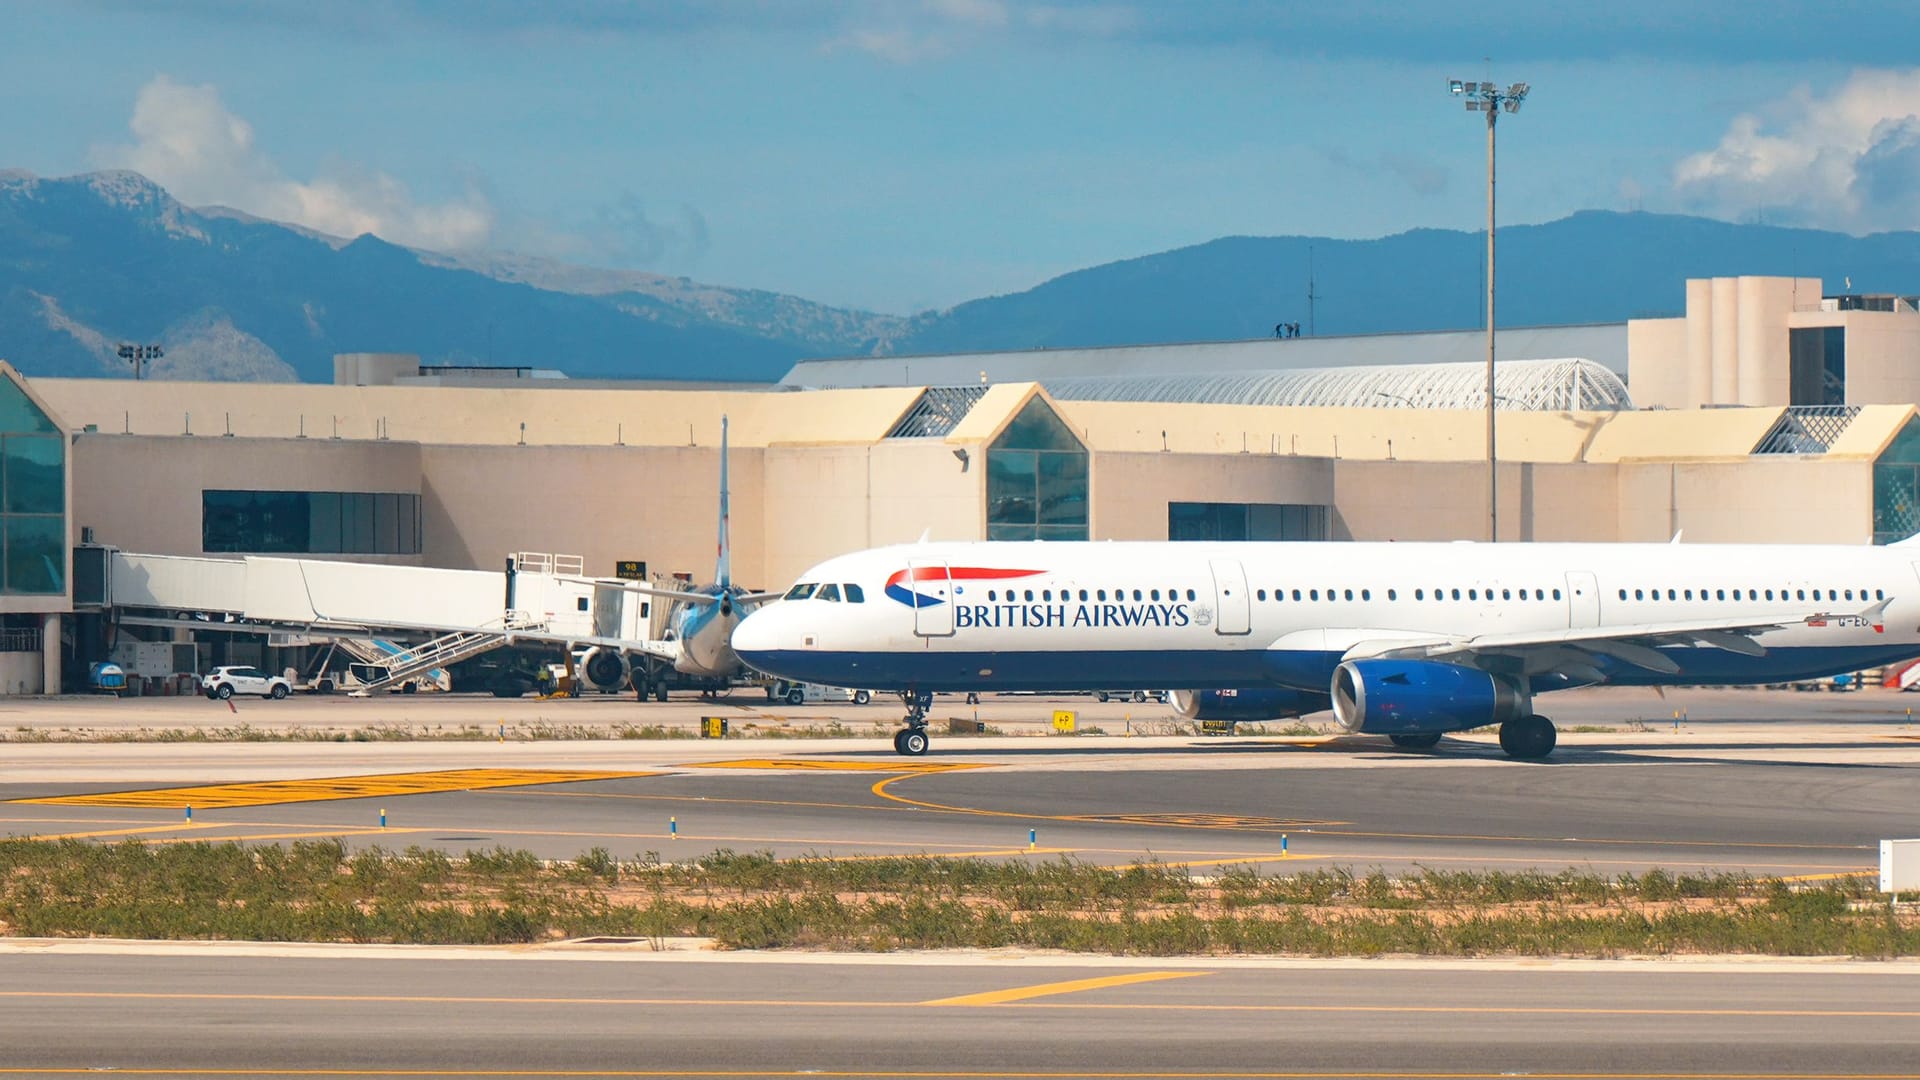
[456,614]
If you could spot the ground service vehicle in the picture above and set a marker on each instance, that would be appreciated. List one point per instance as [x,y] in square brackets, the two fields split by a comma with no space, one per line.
[224,682]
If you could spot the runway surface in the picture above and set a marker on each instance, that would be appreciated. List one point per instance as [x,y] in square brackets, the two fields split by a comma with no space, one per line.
[233,1011]
[1779,796]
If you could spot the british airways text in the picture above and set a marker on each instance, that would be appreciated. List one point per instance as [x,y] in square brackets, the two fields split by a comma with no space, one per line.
[1040,616]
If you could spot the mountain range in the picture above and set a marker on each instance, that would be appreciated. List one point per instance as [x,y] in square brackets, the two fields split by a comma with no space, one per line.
[88,262]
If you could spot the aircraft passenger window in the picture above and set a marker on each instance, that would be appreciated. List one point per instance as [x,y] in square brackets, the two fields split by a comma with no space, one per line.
[1349,594]
[828,592]
[1623,594]
[992,596]
[1365,594]
[854,595]
[1190,595]
[1155,594]
[1849,594]
[1801,594]
[1720,594]
[1047,595]
[1136,595]
[1688,595]
[1671,596]
[1769,594]
[1391,595]
[1637,596]
[1473,594]
[1556,594]
[1100,593]
[1029,594]
[1753,594]
[1456,594]
[1506,594]
[1879,594]
[1296,594]
[1313,594]
[1260,594]
[800,591]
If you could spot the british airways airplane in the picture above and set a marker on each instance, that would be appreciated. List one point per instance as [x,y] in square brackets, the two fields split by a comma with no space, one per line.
[1411,640]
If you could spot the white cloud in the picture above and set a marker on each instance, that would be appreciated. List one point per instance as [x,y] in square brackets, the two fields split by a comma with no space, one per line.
[186,140]
[1848,160]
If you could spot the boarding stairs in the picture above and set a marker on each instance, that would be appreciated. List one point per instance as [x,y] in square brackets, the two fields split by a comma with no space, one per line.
[1902,676]
[443,651]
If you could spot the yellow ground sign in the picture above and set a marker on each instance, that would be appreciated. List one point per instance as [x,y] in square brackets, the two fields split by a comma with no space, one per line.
[1063,720]
[821,765]
[385,785]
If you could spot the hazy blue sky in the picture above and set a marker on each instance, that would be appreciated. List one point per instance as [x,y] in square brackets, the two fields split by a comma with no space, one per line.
[903,156]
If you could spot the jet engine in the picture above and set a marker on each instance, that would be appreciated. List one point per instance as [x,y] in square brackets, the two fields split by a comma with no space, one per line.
[1408,697]
[604,669]
[1246,705]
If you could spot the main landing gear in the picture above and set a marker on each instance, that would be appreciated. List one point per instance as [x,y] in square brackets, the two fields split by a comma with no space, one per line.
[1528,738]
[912,740]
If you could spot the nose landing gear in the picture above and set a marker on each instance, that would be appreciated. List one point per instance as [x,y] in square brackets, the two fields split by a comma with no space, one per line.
[912,740]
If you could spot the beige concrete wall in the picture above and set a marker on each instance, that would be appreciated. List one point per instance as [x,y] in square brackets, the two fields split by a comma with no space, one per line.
[661,504]
[142,492]
[1883,356]
[1131,490]
[1661,362]
[1448,501]
[1781,499]
[827,501]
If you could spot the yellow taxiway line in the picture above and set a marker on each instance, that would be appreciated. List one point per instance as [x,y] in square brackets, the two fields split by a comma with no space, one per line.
[1072,986]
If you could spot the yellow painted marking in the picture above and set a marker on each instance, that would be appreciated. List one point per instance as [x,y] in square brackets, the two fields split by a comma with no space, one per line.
[1837,876]
[825,765]
[1079,1006]
[1072,986]
[1336,829]
[1209,821]
[177,827]
[273,792]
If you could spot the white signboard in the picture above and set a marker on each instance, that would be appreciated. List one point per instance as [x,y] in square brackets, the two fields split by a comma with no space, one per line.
[1899,866]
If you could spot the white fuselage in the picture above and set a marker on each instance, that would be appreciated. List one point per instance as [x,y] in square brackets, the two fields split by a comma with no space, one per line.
[1011,616]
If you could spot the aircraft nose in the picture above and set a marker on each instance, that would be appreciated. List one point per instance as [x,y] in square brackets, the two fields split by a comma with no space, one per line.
[760,636]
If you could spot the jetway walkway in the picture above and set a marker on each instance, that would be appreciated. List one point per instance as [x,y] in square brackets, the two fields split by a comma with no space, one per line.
[460,613]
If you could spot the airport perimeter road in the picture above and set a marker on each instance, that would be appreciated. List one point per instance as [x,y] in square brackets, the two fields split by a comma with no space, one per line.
[384,1012]
[1816,804]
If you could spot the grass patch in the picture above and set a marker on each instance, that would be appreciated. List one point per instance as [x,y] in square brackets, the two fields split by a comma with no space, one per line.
[323,891]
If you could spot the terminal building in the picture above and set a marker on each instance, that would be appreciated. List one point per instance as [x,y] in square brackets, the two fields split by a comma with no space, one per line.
[1766,413]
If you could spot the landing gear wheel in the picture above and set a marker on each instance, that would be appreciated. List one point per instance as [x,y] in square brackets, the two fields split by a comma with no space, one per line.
[660,691]
[912,742]
[1529,738]
[897,737]
[1425,740]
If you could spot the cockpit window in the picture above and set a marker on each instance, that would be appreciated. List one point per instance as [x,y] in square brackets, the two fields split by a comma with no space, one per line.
[854,595]
[800,591]
[828,592]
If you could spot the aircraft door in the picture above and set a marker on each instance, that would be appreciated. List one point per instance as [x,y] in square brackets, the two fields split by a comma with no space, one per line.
[932,590]
[1233,614]
[1583,599]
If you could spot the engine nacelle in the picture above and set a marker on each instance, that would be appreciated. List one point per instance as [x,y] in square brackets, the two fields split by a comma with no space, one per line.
[1406,697]
[1246,705]
[604,669]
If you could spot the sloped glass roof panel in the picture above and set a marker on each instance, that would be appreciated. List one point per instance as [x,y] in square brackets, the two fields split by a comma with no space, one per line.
[1566,385]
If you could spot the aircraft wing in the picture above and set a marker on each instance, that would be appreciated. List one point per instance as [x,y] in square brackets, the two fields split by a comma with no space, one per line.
[1574,651]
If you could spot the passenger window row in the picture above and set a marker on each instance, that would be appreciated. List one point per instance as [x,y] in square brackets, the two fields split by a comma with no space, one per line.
[1752,594]
[1047,595]
[1474,593]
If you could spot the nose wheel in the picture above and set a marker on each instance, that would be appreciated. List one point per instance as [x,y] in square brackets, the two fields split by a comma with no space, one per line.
[912,740]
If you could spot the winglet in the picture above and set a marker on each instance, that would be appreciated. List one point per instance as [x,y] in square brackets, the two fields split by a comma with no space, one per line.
[1876,615]
[1676,536]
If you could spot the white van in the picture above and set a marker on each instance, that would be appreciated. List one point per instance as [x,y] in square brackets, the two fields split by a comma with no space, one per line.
[806,693]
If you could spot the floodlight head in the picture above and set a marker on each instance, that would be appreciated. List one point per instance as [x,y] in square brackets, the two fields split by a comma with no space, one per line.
[1513,105]
[1455,86]
[1473,104]
[1518,90]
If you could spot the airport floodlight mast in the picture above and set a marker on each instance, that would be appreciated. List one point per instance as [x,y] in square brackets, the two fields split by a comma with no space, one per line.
[1490,98]
[138,355]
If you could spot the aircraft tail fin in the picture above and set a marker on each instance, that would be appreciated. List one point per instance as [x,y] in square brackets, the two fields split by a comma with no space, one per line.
[723,566]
